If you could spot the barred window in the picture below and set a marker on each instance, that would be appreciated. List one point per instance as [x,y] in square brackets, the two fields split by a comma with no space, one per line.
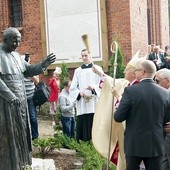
[16,13]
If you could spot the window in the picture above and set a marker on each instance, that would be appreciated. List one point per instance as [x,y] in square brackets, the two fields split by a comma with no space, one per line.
[149,26]
[16,13]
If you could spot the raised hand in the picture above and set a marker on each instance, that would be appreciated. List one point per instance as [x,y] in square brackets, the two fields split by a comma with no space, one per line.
[49,60]
[97,70]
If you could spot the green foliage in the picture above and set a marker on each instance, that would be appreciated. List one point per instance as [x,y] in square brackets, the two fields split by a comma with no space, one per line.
[46,145]
[64,75]
[120,64]
[92,159]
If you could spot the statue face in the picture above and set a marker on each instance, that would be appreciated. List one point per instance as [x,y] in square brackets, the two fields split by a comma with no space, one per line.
[12,42]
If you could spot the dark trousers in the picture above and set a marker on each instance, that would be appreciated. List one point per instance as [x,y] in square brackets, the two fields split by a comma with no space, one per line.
[151,163]
[33,118]
[68,124]
[84,127]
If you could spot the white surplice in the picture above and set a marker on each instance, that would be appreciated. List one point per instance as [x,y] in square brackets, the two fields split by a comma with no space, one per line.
[81,80]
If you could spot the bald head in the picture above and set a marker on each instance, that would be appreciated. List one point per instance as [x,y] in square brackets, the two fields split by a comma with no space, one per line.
[11,32]
[11,39]
[145,69]
[149,67]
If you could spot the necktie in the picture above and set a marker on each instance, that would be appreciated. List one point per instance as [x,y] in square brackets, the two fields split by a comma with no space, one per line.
[156,56]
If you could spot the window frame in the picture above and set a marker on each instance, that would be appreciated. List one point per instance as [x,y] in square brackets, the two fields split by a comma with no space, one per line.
[16,17]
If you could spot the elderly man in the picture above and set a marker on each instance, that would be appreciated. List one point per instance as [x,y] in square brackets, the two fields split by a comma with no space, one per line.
[15,145]
[162,78]
[157,58]
[145,108]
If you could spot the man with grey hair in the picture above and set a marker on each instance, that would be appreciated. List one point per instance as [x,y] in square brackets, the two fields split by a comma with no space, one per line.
[157,58]
[162,78]
[145,108]
[15,145]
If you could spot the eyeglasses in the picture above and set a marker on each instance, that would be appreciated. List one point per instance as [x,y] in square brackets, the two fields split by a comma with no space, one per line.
[138,69]
[157,81]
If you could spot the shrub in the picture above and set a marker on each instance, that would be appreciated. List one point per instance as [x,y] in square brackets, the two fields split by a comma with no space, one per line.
[120,63]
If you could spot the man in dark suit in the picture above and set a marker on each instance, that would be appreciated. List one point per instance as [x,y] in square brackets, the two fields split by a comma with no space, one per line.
[145,108]
[167,56]
[157,58]
[162,78]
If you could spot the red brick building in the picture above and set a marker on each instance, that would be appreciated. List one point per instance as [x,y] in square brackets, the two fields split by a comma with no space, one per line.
[137,23]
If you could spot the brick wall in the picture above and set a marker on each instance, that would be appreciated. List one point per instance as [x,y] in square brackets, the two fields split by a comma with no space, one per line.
[159,22]
[4,15]
[127,18]
[164,24]
[31,28]
[138,24]
[118,22]
[31,33]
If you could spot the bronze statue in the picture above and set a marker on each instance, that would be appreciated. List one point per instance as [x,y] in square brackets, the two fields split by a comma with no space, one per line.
[15,136]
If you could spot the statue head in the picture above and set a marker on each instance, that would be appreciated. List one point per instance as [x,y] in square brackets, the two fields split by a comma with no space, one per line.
[11,39]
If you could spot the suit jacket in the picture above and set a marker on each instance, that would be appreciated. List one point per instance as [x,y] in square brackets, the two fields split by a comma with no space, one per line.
[161,56]
[167,144]
[145,108]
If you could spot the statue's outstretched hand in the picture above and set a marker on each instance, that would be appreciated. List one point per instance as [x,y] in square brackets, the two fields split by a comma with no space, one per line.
[49,60]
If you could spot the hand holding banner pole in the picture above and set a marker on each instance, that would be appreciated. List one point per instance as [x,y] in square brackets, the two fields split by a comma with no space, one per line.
[114,50]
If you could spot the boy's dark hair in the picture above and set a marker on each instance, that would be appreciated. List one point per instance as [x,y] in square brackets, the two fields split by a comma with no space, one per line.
[66,83]
[84,50]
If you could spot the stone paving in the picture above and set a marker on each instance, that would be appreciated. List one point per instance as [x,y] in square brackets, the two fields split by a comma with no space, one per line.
[45,130]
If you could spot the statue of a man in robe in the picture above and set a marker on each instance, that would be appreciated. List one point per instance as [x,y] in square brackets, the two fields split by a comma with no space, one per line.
[15,144]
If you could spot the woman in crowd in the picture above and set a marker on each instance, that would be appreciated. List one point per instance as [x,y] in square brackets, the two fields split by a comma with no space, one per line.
[54,92]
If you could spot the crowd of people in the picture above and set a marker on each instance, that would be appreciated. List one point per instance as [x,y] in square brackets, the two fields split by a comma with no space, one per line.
[143,104]
[145,108]
[161,58]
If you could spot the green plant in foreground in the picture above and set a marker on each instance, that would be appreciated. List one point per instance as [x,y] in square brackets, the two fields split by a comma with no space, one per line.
[92,159]
[46,145]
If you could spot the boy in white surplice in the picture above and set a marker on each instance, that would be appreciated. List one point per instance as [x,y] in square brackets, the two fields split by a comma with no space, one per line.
[85,91]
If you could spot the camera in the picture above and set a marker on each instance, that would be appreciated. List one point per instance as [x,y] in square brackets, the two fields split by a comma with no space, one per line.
[27,56]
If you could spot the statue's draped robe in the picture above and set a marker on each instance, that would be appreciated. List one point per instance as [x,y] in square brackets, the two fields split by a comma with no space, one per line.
[102,121]
[15,135]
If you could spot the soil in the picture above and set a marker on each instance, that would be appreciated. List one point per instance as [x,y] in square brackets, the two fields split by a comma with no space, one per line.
[63,161]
